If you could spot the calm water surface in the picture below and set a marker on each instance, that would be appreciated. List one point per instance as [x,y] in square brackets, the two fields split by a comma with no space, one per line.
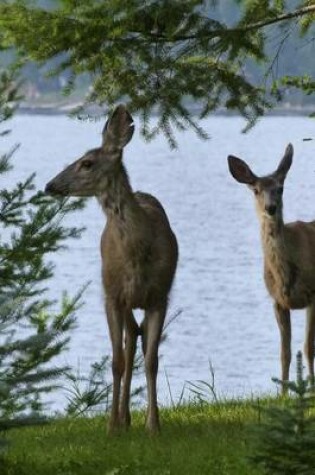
[226,314]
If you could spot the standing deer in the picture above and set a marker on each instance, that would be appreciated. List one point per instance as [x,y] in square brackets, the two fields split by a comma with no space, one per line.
[289,255]
[139,257]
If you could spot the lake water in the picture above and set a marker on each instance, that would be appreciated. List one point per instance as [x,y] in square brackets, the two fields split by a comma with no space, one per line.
[226,314]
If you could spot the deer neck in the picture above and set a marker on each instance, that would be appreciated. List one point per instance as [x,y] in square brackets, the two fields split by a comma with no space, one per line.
[280,274]
[119,204]
[272,235]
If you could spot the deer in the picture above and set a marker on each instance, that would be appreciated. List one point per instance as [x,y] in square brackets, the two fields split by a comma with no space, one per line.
[139,254]
[289,256]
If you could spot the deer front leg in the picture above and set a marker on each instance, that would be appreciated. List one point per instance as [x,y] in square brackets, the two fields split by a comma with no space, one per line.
[151,336]
[309,340]
[284,323]
[115,325]
[132,332]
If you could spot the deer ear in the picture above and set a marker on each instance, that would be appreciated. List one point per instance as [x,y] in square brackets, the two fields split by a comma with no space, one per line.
[286,162]
[118,129]
[241,171]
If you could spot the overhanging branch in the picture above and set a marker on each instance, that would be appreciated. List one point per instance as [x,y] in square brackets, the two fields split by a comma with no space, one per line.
[278,19]
[251,27]
[138,34]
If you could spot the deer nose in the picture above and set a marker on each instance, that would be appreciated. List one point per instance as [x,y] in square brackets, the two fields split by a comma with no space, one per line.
[50,188]
[271,209]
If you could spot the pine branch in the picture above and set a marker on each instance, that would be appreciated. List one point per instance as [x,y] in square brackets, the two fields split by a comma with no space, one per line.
[278,19]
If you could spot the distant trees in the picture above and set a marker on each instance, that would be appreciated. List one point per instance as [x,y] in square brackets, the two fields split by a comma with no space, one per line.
[162,56]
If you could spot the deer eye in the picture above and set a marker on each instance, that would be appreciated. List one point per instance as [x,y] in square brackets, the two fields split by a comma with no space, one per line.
[255,191]
[86,164]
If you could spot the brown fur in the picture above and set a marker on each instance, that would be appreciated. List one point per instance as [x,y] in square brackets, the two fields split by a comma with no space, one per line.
[289,255]
[139,254]
[139,257]
[290,263]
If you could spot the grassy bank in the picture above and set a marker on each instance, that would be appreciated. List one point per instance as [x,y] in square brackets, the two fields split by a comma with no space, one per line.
[195,439]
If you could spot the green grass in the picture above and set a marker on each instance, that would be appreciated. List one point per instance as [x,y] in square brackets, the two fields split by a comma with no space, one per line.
[195,439]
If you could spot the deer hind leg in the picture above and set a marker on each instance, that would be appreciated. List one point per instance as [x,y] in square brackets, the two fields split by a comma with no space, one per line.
[131,335]
[284,322]
[309,340]
[151,330]
[115,324]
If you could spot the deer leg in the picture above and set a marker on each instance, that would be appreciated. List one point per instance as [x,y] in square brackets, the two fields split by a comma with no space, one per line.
[284,323]
[309,340]
[152,330]
[143,333]
[132,332]
[115,325]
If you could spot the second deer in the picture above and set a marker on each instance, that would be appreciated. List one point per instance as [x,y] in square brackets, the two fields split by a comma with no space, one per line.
[289,255]
[139,257]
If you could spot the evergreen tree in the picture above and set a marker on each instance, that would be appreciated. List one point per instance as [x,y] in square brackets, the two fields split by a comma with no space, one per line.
[285,439]
[31,332]
[160,56]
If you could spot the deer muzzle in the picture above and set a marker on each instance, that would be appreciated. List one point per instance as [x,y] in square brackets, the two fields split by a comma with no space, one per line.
[271,209]
[52,189]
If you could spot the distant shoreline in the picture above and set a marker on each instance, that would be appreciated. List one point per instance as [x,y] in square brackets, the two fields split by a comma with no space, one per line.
[54,110]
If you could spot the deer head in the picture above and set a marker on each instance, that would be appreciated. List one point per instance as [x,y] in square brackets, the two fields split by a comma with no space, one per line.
[90,174]
[268,189]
